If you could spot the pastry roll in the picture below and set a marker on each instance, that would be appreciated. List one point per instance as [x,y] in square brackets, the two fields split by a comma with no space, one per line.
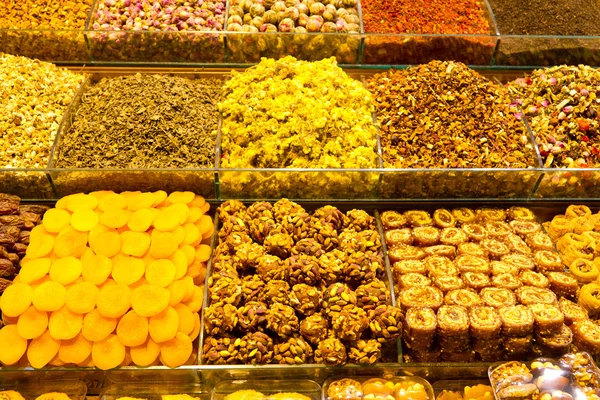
[548,318]
[548,261]
[520,214]
[572,311]
[463,297]
[418,218]
[448,283]
[556,343]
[574,211]
[539,241]
[440,266]
[405,252]
[443,218]
[476,280]
[409,266]
[495,248]
[425,236]
[559,226]
[453,236]
[472,249]
[584,271]
[589,298]
[395,237]
[501,267]
[498,297]
[521,261]
[531,295]
[517,245]
[491,214]
[467,263]
[530,278]
[421,296]
[393,220]
[413,279]
[475,232]
[586,336]
[516,320]
[420,325]
[464,215]
[485,322]
[453,320]
[443,250]
[497,229]
[506,281]
[524,228]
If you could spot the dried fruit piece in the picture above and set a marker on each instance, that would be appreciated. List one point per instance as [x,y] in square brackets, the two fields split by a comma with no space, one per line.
[166,220]
[163,244]
[178,291]
[114,300]
[95,268]
[75,351]
[55,220]
[140,201]
[32,270]
[132,329]
[186,319]
[145,354]
[66,270]
[192,234]
[108,353]
[107,244]
[32,323]
[40,246]
[135,243]
[70,242]
[141,220]
[195,302]
[164,326]
[64,324]
[12,344]
[49,296]
[180,261]
[128,270]
[42,350]
[160,273]
[81,297]
[150,300]
[176,351]
[16,299]
[112,201]
[181,197]
[203,253]
[84,219]
[116,218]
[81,201]
[96,327]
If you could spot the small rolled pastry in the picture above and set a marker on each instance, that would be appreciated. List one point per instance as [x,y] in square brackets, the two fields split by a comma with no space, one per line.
[453,320]
[440,266]
[524,228]
[475,232]
[574,211]
[408,266]
[498,297]
[463,297]
[556,343]
[472,249]
[393,220]
[517,245]
[582,225]
[521,214]
[500,267]
[506,281]
[530,278]
[521,261]
[586,336]
[584,271]
[516,320]
[497,229]
[418,218]
[421,296]
[572,312]
[448,283]
[531,295]
[548,318]
[443,250]
[548,261]
[495,248]
[559,226]
[395,237]
[589,298]
[467,263]
[476,280]
[405,252]
[487,214]
[425,236]
[464,215]
[485,322]
[443,218]
[420,325]
[413,279]
[539,241]
[453,236]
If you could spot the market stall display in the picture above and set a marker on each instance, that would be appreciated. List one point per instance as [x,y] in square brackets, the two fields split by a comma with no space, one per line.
[478,391]
[364,387]
[110,279]
[283,389]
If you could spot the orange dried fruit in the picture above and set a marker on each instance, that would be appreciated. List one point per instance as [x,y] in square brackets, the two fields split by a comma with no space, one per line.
[146,354]
[81,201]
[81,297]
[12,344]
[107,244]
[75,351]
[9,320]
[163,327]
[196,330]
[16,299]
[181,197]
[166,220]
[95,268]
[160,272]
[108,353]
[112,201]
[127,360]
[178,290]
[203,253]
[195,269]
[49,296]
[40,247]
[55,220]
[141,220]
[179,259]
[32,323]
[114,301]
[142,200]
[159,197]
[42,350]
[106,283]
[35,284]
[186,319]
[175,352]
[192,234]
[205,207]
[66,270]
[132,330]
[97,231]
[135,243]
[205,224]
[84,220]
[163,244]
[178,234]
[64,324]
[100,194]
[115,218]
[97,327]
[194,216]
[61,203]
[198,201]
[148,259]
[128,270]
[190,288]
[195,302]
[190,253]
[150,300]
[70,242]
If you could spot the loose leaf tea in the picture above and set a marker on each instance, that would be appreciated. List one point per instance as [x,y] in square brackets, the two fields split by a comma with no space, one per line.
[144,121]
[445,115]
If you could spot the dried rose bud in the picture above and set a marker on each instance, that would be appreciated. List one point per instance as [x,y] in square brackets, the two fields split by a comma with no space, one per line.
[270,17]
[317,9]
[279,6]
[329,27]
[257,10]
[286,25]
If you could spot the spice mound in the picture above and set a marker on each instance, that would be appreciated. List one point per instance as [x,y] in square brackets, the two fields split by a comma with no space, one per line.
[144,121]
[425,16]
[35,95]
[33,14]
[445,115]
[297,114]
[561,105]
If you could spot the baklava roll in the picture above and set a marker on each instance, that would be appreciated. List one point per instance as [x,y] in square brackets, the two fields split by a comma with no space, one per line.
[418,218]
[485,322]
[520,214]
[491,214]
[396,237]
[405,252]
[443,218]
[448,283]
[548,318]
[421,296]
[476,280]
[506,281]
[420,326]
[475,232]
[521,261]
[548,261]
[530,295]
[440,266]
[498,230]
[530,278]
[501,267]
[495,248]
[464,215]
[467,263]
[463,297]
[572,311]
[539,241]
[413,279]
[409,266]
[498,297]
[516,320]
[557,343]
[524,228]
[586,336]
[425,236]
[517,245]
[393,220]
[443,250]
[472,249]
[453,236]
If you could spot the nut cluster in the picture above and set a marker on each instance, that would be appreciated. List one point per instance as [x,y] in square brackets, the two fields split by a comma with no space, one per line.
[285,289]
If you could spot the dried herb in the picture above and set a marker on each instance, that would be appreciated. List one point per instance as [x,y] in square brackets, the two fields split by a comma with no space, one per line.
[44,14]
[144,121]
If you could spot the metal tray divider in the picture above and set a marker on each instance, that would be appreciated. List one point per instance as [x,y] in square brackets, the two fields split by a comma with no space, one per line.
[225,26]
[88,27]
[217,165]
[495,31]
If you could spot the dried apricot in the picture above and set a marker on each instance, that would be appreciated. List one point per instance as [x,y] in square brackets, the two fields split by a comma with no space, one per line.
[84,220]
[159,197]
[112,202]
[64,324]
[81,201]
[128,270]
[145,354]
[178,235]
[195,302]
[181,197]
[166,220]
[97,327]
[12,344]
[40,247]
[142,200]
[195,269]
[182,210]
[100,194]
[49,296]
[196,330]
[132,330]
[203,253]
[107,244]
[95,268]
[135,243]
[205,224]
[190,288]
[198,201]
[195,215]
[141,220]
[114,301]
[160,272]
[55,220]
[205,207]
[186,319]
[55,362]
[32,323]
[163,327]
[115,218]
[97,231]
[192,234]
[66,270]
[190,253]
[75,351]
[178,290]
[163,244]
[70,242]
[179,259]
[81,297]
[175,352]
[42,350]
[108,353]
[16,299]
[150,300]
